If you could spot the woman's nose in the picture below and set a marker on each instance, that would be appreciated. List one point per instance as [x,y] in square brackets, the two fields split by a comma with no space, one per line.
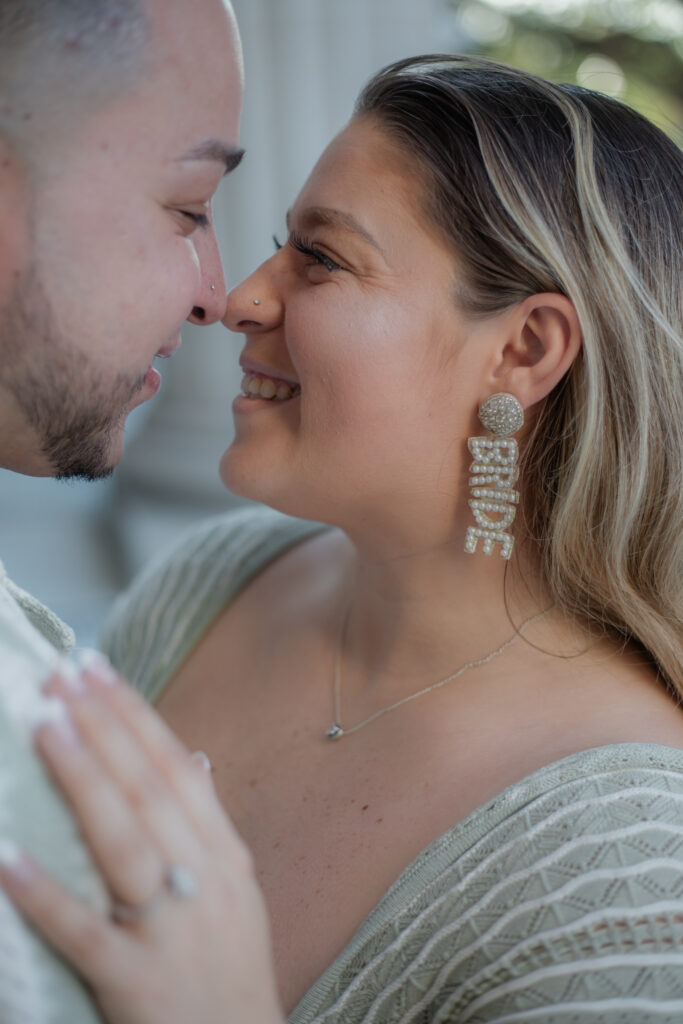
[253,306]
[210,305]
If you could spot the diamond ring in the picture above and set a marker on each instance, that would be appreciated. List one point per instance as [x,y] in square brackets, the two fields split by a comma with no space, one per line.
[179,880]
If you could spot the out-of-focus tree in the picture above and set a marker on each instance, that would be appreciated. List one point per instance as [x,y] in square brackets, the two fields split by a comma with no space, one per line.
[631,49]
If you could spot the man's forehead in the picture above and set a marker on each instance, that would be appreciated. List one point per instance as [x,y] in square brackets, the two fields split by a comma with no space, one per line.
[190,22]
[195,72]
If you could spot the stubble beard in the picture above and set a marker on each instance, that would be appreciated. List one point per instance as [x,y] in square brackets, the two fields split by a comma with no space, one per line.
[72,412]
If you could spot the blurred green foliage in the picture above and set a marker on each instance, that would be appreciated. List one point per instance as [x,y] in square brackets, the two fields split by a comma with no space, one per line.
[631,49]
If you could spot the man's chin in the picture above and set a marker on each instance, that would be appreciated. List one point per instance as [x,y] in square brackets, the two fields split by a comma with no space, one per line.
[85,474]
[93,458]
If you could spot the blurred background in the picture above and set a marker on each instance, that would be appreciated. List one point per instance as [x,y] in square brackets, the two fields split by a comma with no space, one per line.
[76,545]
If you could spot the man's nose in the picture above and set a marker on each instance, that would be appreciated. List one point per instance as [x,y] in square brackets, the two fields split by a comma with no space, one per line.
[210,305]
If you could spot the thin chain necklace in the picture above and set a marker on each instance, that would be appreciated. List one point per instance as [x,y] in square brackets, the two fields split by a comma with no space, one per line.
[336,731]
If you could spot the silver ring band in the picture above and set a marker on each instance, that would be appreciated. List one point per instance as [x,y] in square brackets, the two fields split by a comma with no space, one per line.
[128,913]
[179,880]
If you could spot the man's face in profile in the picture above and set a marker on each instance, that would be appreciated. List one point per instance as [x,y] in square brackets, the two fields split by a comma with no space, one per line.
[117,246]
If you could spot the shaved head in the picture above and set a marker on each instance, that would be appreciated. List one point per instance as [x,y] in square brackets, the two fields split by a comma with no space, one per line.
[59,58]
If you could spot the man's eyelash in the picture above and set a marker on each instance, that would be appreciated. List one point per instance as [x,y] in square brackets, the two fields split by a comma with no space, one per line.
[200,219]
[301,245]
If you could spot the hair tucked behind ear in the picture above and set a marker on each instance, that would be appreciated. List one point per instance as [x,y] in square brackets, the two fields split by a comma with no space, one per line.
[541,187]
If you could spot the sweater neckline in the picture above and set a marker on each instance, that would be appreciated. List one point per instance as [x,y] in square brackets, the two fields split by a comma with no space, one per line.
[466,833]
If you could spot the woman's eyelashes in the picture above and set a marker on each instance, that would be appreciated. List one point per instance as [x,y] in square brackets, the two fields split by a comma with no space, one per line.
[314,254]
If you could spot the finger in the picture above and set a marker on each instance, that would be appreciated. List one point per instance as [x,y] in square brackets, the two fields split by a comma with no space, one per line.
[126,764]
[130,863]
[185,777]
[84,937]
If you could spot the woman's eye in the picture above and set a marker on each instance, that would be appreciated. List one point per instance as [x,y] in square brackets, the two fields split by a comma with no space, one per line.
[314,255]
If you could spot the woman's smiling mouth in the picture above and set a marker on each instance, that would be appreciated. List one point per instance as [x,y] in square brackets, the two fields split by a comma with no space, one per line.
[259,386]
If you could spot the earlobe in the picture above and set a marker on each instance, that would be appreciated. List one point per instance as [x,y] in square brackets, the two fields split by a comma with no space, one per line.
[544,339]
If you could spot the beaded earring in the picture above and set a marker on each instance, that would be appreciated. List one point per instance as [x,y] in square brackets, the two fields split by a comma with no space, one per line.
[494,473]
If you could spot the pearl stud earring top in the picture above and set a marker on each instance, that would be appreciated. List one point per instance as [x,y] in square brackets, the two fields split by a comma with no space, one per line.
[501,414]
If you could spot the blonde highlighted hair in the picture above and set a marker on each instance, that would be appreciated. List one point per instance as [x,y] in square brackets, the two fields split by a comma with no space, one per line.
[543,187]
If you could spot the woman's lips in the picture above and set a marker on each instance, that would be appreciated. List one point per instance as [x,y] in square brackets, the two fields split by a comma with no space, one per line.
[254,369]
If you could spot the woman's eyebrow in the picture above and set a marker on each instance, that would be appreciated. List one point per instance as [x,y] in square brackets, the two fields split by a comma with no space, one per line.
[316,216]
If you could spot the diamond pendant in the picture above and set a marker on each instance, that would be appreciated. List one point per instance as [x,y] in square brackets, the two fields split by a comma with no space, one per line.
[334,732]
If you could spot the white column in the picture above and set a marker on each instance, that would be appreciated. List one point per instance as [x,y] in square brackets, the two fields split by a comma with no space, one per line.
[306,61]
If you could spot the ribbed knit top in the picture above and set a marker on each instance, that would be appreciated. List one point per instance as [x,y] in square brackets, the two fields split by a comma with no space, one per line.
[559,901]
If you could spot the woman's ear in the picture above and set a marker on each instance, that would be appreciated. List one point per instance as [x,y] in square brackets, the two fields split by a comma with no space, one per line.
[542,340]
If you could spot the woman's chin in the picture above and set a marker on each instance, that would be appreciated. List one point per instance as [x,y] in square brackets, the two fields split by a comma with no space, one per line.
[248,478]
[230,475]
[245,476]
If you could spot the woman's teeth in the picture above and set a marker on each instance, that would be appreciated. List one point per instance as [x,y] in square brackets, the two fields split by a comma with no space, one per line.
[254,386]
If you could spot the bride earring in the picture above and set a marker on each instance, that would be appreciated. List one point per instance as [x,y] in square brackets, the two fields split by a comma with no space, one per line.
[493,475]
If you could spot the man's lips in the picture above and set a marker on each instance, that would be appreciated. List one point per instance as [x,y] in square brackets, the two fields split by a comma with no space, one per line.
[166,351]
[151,380]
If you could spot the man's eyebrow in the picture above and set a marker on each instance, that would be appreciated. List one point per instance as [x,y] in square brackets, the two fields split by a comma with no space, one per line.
[315,216]
[214,149]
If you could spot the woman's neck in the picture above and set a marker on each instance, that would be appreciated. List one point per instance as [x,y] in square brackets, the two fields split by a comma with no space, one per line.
[416,614]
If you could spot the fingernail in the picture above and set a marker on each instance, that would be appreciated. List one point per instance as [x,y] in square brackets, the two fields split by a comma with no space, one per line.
[70,674]
[10,854]
[53,712]
[13,861]
[46,711]
[200,757]
[96,663]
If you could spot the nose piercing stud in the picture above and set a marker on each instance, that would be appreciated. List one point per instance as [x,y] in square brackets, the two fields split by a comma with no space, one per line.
[257,302]
[212,287]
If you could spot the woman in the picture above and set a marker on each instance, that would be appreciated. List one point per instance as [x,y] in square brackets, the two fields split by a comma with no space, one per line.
[460,777]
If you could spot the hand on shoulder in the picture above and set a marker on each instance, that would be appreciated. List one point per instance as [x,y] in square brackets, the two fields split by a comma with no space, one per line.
[187,936]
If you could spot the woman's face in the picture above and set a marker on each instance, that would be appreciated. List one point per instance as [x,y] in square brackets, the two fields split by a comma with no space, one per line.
[356,317]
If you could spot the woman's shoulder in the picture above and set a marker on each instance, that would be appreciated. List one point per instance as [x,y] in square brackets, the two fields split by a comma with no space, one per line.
[173,600]
[560,899]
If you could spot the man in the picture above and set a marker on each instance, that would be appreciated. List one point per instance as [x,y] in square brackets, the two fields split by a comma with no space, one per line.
[118,119]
